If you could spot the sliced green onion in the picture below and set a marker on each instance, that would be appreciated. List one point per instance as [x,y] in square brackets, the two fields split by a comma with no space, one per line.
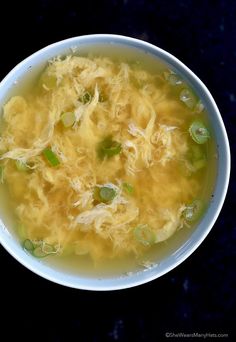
[172,78]
[28,245]
[188,98]
[199,107]
[85,98]
[51,157]
[199,132]
[128,188]
[21,166]
[108,148]
[39,249]
[68,119]
[193,211]
[48,249]
[38,252]
[144,235]
[111,151]
[1,174]
[107,194]
[104,194]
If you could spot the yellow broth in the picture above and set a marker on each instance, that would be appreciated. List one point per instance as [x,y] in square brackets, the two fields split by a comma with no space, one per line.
[158,172]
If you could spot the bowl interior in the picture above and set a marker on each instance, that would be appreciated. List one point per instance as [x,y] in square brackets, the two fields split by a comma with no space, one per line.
[112,45]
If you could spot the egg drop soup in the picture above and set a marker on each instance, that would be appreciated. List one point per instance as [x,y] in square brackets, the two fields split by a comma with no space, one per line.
[105,163]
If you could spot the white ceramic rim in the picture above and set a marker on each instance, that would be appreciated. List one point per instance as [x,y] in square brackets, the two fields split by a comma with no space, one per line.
[201,230]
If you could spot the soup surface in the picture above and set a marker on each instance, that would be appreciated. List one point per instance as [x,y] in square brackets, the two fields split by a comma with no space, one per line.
[104,159]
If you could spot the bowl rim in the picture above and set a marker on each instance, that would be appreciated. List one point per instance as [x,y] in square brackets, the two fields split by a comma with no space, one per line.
[222,178]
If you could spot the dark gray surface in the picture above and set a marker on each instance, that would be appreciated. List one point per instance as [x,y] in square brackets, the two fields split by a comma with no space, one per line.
[199,295]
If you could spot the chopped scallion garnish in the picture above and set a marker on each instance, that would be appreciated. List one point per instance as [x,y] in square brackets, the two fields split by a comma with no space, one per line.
[188,98]
[68,119]
[128,188]
[104,194]
[47,248]
[51,157]
[193,211]
[43,250]
[199,132]
[85,98]
[199,107]
[172,78]
[108,148]
[39,249]
[39,253]
[107,194]
[144,234]
[28,245]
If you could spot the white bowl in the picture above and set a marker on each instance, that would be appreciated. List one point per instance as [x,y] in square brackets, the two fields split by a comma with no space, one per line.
[32,65]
